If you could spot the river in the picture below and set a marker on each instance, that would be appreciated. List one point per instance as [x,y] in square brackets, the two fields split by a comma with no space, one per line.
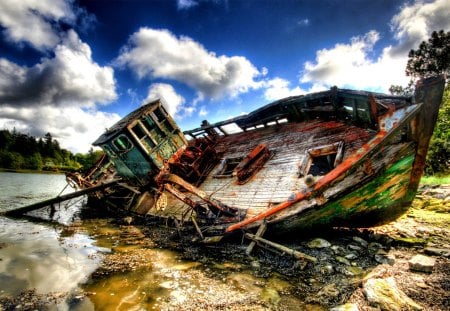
[70,263]
[65,262]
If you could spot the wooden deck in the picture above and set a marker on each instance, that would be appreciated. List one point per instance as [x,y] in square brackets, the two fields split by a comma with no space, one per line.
[279,177]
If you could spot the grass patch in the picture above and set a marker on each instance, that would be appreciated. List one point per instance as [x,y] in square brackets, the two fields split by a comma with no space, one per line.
[435,180]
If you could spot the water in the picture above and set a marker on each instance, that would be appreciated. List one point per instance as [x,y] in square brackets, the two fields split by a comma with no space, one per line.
[34,254]
[58,259]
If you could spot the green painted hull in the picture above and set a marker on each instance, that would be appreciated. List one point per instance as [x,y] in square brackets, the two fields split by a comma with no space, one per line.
[381,200]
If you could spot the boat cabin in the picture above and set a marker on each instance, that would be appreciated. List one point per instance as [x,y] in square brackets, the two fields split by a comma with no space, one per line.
[139,144]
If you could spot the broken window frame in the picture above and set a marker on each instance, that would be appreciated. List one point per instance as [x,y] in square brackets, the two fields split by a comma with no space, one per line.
[335,148]
[227,166]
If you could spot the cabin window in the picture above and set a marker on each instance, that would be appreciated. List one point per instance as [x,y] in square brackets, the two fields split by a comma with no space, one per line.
[122,143]
[160,116]
[321,160]
[227,167]
[153,128]
[363,112]
[141,134]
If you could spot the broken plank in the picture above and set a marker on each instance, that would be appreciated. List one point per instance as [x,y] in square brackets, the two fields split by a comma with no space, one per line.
[282,248]
[25,209]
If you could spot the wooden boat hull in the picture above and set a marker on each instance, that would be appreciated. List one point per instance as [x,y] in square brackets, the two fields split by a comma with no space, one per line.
[334,158]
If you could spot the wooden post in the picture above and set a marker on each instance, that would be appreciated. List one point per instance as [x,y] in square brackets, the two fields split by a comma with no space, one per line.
[284,249]
[259,233]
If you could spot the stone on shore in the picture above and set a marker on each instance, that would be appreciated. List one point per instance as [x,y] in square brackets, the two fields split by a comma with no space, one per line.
[346,307]
[385,294]
[437,251]
[422,263]
[319,243]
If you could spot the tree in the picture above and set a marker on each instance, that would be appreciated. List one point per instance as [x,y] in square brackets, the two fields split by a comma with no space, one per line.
[438,157]
[431,58]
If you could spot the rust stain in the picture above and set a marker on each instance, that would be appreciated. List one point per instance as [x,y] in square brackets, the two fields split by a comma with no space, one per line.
[319,186]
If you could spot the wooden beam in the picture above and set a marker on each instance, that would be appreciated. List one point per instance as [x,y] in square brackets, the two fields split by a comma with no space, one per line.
[282,248]
[259,233]
[25,209]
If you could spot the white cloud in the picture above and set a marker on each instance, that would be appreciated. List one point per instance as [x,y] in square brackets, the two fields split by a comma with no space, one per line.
[351,65]
[75,128]
[186,4]
[59,95]
[71,77]
[303,22]
[157,53]
[278,88]
[172,101]
[203,112]
[415,23]
[32,21]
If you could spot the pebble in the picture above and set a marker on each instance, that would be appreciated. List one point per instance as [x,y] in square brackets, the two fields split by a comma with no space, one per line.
[360,241]
[354,247]
[422,263]
[437,251]
[346,307]
[385,294]
[343,260]
[382,257]
[319,243]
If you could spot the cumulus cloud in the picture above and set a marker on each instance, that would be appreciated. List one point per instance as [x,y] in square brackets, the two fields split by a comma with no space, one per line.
[58,95]
[415,23]
[70,77]
[171,100]
[75,128]
[186,4]
[352,64]
[279,88]
[155,53]
[33,21]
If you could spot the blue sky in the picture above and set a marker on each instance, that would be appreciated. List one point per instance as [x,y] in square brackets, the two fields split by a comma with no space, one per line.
[73,68]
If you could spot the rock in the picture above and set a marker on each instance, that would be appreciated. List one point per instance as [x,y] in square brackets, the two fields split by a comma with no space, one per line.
[360,241]
[374,247]
[351,256]
[324,269]
[354,247]
[422,263]
[382,257]
[346,307]
[343,260]
[338,250]
[319,243]
[385,294]
[352,271]
[437,251]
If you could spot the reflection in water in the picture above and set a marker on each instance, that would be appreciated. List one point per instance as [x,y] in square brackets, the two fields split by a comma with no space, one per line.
[59,258]
[33,256]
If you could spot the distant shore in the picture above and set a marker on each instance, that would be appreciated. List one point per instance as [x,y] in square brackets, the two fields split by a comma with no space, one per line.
[28,171]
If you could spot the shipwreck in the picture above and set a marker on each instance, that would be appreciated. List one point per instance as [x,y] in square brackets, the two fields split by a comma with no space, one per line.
[333,158]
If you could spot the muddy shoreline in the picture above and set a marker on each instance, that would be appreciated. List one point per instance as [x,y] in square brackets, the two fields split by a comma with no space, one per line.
[348,262]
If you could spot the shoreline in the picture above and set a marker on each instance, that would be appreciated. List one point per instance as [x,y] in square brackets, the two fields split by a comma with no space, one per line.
[29,171]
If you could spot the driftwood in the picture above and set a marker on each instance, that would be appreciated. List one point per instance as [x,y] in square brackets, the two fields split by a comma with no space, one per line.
[25,209]
[282,248]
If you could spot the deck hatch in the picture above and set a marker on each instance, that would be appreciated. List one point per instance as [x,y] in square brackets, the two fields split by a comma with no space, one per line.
[320,160]
[227,167]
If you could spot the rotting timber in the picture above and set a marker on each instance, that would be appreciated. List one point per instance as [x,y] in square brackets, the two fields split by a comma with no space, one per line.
[333,158]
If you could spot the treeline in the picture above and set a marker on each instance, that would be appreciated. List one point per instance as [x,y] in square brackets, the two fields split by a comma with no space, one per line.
[21,151]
